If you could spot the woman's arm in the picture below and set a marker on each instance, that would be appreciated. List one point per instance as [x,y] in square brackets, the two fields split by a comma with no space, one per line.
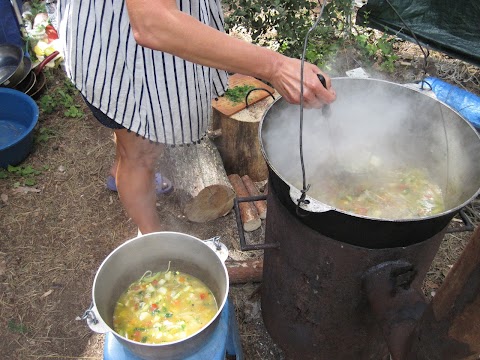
[160,25]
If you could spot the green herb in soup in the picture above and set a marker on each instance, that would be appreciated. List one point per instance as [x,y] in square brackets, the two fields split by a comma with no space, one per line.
[399,194]
[163,307]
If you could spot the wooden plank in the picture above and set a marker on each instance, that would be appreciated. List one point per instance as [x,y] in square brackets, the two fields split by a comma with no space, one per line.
[228,108]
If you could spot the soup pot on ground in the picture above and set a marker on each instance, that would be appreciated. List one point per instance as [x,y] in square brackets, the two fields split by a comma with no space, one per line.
[155,252]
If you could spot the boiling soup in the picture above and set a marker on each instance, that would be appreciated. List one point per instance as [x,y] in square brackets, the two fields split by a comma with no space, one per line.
[399,194]
[164,307]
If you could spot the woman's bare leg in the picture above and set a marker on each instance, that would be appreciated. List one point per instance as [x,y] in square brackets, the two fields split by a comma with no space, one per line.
[113,169]
[135,178]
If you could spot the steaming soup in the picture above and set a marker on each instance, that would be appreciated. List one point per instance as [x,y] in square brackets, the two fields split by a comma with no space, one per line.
[164,307]
[400,194]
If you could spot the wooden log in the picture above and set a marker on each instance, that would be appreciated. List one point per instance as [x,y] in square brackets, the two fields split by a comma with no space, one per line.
[239,144]
[261,205]
[450,326]
[202,188]
[244,271]
[239,147]
[250,219]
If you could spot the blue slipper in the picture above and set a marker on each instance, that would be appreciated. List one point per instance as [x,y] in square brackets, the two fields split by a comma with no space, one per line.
[163,185]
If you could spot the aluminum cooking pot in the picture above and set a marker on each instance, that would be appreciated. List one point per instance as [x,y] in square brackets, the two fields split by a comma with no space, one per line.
[371,119]
[127,263]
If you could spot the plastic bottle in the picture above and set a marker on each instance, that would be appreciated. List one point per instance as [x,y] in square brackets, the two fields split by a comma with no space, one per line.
[51,6]
[464,102]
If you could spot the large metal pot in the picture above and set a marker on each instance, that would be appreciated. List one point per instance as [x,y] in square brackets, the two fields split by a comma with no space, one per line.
[128,262]
[394,123]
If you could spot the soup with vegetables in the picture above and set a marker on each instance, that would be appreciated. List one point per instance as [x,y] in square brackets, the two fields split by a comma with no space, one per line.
[396,194]
[163,307]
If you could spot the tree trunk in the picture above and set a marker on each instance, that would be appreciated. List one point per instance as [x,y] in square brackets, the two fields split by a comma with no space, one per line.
[238,143]
[201,184]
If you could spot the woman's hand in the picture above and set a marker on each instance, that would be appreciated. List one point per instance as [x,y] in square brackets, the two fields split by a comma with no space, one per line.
[287,82]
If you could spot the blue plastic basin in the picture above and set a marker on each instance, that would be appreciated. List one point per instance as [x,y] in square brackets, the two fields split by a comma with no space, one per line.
[18,117]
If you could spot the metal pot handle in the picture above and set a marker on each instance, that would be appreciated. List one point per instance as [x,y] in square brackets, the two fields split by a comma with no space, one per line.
[93,319]
[219,248]
[38,69]
[308,204]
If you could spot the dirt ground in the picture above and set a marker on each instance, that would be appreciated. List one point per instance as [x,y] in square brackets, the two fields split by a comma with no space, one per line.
[55,234]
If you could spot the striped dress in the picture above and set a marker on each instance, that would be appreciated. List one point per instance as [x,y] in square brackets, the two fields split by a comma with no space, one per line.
[154,94]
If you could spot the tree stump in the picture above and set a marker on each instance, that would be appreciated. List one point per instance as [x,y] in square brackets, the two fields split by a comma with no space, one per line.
[201,185]
[238,142]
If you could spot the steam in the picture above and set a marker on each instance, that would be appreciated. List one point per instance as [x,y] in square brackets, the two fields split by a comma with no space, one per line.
[374,127]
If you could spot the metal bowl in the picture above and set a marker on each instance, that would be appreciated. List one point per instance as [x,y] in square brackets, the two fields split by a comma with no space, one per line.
[11,63]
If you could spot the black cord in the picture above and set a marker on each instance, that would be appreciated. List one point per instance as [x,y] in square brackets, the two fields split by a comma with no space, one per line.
[255,89]
[425,54]
[301,200]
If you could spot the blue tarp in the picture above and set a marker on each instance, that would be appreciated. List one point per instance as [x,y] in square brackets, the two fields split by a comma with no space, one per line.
[9,27]
[466,103]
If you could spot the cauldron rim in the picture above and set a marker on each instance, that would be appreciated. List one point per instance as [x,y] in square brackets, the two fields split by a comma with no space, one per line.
[323,207]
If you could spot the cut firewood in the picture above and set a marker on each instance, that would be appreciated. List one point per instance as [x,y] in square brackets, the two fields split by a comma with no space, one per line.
[201,185]
[244,271]
[239,144]
[261,205]
[262,186]
[211,202]
[248,212]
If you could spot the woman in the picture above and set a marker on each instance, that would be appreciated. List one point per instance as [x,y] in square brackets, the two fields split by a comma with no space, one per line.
[148,69]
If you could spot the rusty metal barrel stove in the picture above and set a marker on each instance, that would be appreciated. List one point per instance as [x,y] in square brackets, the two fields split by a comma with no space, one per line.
[340,285]
[312,298]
